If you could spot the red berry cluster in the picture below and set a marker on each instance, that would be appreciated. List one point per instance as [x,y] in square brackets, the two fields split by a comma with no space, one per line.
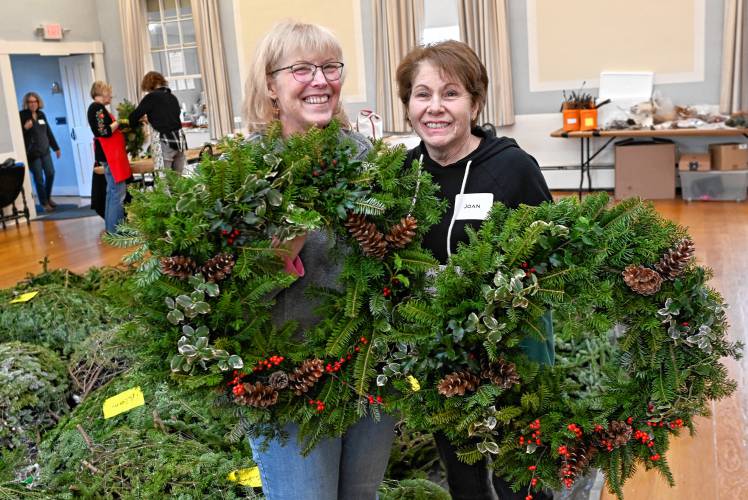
[575,429]
[335,366]
[267,364]
[238,388]
[535,436]
[642,436]
[656,424]
[563,451]
[533,481]
[377,400]
[676,424]
[320,404]
[230,235]
[386,291]
[568,481]
[646,438]
[528,270]
[363,341]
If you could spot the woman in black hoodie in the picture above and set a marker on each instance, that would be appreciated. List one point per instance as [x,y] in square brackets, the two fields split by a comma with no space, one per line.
[443,87]
[38,137]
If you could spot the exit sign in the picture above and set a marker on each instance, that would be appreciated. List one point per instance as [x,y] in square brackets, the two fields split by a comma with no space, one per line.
[52,31]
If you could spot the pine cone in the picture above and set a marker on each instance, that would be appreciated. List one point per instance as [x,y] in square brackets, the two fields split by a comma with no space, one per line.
[576,463]
[278,380]
[402,233]
[458,383]
[257,395]
[501,374]
[642,280]
[305,376]
[219,267]
[618,433]
[675,260]
[371,240]
[178,266]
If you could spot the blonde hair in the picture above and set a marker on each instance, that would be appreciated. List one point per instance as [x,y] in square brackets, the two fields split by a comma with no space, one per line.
[39,99]
[99,87]
[285,38]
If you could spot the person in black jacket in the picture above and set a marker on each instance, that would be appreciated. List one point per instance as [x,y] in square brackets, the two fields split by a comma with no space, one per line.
[162,111]
[38,137]
[443,87]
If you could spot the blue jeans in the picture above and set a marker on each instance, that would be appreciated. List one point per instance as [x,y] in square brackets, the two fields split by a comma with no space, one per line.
[347,468]
[43,172]
[114,211]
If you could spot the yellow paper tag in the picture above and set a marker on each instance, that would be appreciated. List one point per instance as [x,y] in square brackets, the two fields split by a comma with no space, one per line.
[24,297]
[124,401]
[588,122]
[414,385]
[246,477]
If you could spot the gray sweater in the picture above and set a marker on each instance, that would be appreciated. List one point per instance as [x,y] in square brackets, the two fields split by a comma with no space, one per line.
[321,268]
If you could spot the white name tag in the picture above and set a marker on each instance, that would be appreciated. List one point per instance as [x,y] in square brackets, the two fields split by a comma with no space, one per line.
[473,206]
[42,122]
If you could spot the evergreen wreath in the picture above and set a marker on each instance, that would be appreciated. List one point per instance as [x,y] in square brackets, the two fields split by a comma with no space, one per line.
[134,133]
[205,252]
[619,279]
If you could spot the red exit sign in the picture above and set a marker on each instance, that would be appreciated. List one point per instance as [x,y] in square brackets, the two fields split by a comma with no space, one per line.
[52,31]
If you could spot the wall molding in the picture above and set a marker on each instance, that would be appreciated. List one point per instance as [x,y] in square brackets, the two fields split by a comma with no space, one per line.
[50,48]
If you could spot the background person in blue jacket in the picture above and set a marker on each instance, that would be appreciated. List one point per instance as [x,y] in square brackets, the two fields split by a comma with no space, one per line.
[38,137]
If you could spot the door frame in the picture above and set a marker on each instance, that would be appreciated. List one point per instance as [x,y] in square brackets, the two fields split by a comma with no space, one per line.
[8,48]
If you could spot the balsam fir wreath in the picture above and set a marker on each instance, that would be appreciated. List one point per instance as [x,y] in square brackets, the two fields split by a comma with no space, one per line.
[205,248]
[618,274]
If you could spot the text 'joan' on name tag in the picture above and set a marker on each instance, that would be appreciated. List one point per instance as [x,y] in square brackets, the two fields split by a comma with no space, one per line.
[473,206]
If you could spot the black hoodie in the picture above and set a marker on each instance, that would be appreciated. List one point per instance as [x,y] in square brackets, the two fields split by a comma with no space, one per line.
[499,167]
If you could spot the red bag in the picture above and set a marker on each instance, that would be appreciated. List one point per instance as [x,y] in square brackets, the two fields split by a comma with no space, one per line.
[116,155]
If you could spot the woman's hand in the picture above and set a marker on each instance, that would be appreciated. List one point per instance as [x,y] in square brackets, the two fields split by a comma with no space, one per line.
[28,124]
[114,126]
[58,153]
[290,248]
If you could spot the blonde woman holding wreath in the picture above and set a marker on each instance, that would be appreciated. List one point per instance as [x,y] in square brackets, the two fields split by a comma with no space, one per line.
[296,77]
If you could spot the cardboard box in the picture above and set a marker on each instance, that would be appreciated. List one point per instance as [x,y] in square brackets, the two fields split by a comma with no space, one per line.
[690,162]
[729,156]
[645,169]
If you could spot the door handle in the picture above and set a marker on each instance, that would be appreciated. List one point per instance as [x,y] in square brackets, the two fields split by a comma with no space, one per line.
[72,134]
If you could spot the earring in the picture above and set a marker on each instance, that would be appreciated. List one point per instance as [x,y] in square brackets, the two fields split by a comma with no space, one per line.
[276,109]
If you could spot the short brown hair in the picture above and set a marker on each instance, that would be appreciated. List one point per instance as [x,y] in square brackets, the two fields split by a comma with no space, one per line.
[99,87]
[153,80]
[32,94]
[454,59]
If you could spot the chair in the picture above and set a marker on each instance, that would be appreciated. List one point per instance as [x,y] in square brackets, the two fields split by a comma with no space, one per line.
[11,185]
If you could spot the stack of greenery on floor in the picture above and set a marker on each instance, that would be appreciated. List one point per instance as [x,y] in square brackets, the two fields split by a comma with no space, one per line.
[54,440]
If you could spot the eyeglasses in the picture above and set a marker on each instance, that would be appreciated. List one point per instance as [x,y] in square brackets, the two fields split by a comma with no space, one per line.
[31,101]
[305,72]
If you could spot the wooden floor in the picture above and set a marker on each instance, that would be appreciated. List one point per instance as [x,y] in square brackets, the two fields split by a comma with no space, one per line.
[713,465]
[73,244]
